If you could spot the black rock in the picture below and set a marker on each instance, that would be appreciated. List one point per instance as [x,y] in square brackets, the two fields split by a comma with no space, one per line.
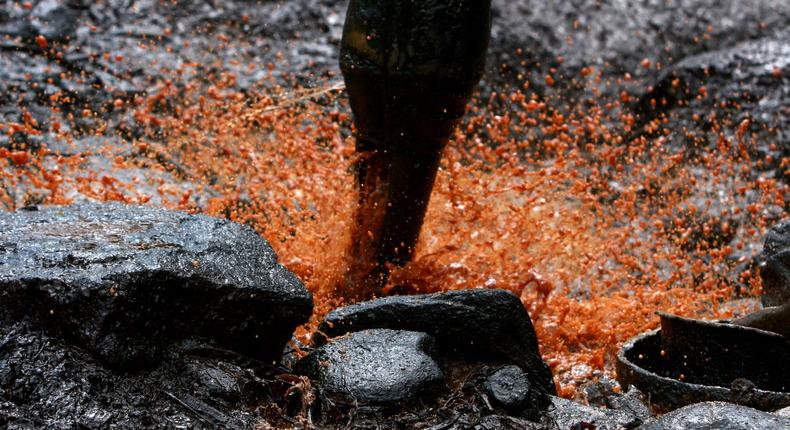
[376,367]
[479,323]
[633,403]
[750,69]
[745,81]
[124,282]
[616,37]
[775,265]
[598,391]
[509,387]
[499,422]
[219,380]
[567,414]
[716,416]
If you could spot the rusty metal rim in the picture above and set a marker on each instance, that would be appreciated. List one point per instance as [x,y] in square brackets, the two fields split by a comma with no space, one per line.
[726,323]
[621,358]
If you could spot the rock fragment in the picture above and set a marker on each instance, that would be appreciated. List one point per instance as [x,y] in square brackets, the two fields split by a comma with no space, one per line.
[718,415]
[567,414]
[376,367]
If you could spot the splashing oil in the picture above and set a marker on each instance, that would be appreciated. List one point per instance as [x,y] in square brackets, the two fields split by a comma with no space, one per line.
[594,229]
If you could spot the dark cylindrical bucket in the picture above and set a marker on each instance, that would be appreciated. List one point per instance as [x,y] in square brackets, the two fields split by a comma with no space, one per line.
[719,373]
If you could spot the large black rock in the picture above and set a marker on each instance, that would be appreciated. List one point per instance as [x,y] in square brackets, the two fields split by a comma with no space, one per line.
[125,282]
[479,323]
[716,416]
[745,81]
[775,265]
[376,367]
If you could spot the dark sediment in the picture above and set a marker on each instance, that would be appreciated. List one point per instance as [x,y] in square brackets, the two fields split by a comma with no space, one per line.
[133,317]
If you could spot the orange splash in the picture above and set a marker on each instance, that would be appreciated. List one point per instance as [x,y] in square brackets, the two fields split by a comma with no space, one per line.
[593,229]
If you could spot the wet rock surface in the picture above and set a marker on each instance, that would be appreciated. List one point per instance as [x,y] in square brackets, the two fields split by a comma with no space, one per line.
[146,35]
[462,402]
[187,314]
[775,267]
[479,323]
[746,84]
[81,67]
[146,40]
[566,414]
[732,97]
[718,415]
[376,367]
[125,281]
[633,403]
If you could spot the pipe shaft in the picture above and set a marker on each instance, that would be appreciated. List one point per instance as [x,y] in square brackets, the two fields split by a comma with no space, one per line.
[410,68]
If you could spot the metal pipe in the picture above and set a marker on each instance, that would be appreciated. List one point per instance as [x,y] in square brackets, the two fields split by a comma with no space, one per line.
[410,68]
